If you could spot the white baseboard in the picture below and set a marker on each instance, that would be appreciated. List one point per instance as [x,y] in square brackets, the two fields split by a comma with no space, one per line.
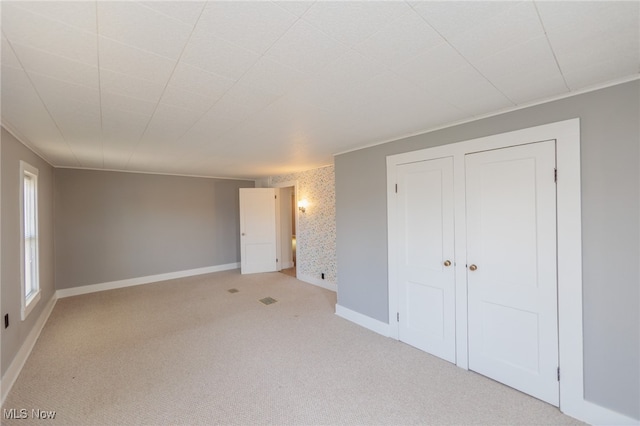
[315,281]
[93,288]
[596,415]
[363,320]
[21,357]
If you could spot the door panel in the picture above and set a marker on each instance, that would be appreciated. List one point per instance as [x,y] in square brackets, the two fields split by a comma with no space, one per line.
[425,309]
[257,230]
[512,295]
[426,298]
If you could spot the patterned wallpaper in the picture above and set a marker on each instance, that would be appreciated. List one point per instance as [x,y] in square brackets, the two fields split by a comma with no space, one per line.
[316,233]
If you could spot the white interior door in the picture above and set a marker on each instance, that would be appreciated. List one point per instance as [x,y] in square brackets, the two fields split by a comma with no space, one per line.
[257,230]
[511,275]
[426,286]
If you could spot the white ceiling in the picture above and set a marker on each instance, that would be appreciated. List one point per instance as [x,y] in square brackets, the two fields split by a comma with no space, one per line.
[249,89]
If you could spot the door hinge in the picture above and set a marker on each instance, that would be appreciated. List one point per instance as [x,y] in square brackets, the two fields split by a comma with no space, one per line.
[275,196]
[555,175]
[396,188]
[276,260]
[397,316]
[558,373]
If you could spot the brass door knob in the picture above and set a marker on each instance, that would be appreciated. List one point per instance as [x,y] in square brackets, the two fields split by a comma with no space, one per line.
[473,267]
[447,263]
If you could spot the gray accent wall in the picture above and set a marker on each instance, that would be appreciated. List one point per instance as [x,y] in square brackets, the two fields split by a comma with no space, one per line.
[12,152]
[112,226]
[610,160]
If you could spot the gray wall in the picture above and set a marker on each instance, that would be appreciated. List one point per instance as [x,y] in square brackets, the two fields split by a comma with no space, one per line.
[610,161]
[112,225]
[12,152]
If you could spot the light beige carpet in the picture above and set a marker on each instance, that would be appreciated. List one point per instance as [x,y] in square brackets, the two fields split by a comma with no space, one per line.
[289,271]
[189,352]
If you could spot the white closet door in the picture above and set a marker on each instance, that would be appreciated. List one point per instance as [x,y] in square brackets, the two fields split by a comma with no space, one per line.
[426,294]
[257,230]
[511,267]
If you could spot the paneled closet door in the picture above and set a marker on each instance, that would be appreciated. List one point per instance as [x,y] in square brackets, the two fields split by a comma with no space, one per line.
[511,267]
[426,293]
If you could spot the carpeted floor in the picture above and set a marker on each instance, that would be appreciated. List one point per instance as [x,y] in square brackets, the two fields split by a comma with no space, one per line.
[189,351]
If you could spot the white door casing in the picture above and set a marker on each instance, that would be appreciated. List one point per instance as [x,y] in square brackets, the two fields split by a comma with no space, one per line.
[284,221]
[285,258]
[511,273]
[569,253]
[426,294]
[257,230]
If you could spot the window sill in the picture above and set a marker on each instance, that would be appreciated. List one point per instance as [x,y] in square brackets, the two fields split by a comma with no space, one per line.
[30,303]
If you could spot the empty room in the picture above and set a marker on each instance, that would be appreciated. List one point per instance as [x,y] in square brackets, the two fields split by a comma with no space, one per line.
[320,212]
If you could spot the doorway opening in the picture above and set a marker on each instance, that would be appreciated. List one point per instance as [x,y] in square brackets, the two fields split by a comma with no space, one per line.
[286,220]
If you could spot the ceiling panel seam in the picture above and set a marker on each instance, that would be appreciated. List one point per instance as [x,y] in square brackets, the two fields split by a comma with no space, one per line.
[463,57]
[146,128]
[236,82]
[42,101]
[553,52]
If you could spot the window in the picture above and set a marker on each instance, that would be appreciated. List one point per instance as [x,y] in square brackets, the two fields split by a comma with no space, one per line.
[29,238]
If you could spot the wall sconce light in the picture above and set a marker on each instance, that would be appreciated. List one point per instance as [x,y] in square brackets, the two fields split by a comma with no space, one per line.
[302,205]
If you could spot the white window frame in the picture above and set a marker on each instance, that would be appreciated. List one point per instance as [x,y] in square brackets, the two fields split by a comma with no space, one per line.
[28,302]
